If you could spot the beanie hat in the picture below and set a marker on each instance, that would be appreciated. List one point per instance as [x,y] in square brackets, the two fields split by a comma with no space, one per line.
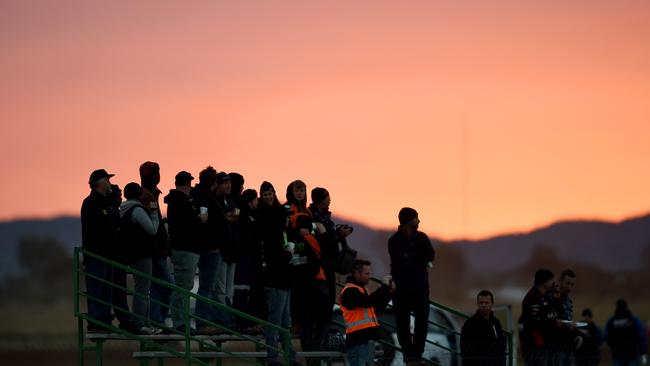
[266,186]
[248,195]
[183,178]
[406,214]
[132,191]
[148,168]
[318,195]
[542,275]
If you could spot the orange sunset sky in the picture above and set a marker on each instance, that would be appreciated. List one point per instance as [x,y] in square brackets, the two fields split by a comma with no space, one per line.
[486,116]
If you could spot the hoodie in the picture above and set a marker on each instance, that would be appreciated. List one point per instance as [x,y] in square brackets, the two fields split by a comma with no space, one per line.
[137,230]
[184,223]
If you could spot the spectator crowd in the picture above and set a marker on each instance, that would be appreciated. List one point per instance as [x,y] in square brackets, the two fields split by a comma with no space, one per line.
[278,262]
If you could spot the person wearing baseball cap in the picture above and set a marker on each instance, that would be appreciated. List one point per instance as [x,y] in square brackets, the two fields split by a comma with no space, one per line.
[99,235]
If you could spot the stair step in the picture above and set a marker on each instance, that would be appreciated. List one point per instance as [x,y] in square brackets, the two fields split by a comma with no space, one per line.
[239,354]
[169,337]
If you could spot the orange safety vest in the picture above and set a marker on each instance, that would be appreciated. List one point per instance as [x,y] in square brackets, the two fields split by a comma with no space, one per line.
[358,318]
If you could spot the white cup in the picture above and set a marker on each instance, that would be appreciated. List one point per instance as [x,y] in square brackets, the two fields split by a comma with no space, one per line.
[203,210]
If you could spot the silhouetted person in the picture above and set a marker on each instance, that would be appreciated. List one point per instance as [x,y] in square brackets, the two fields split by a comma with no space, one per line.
[482,341]
[626,336]
[229,250]
[204,197]
[331,237]
[277,276]
[589,353]
[249,288]
[567,338]
[99,230]
[411,253]
[538,320]
[138,228]
[185,224]
[149,180]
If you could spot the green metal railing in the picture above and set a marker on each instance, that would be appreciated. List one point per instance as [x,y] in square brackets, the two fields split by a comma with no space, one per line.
[147,343]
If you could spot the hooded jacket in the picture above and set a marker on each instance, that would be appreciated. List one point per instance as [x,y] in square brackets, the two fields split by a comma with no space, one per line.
[184,223]
[209,233]
[272,221]
[137,230]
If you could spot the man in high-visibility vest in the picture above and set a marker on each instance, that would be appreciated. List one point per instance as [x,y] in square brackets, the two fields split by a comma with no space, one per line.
[358,307]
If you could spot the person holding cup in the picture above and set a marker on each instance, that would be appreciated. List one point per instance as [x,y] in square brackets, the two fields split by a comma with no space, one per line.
[184,223]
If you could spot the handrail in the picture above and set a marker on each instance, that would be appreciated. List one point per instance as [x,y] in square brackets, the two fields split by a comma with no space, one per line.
[186,295]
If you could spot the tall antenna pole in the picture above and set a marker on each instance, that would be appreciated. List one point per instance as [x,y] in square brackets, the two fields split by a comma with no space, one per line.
[465,175]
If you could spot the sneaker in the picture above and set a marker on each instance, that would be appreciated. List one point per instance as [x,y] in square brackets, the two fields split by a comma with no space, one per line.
[144,330]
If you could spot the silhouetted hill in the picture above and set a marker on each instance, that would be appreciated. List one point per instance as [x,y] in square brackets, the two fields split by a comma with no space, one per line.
[610,246]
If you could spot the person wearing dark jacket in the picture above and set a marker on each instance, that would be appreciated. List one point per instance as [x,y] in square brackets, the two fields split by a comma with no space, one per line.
[482,341]
[277,274]
[310,285]
[229,250]
[568,338]
[209,236]
[138,227]
[589,353]
[249,289]
[359,309]
[332,237]
[539,320]
[411,254]
[120,303]
[149,180]
[185,221]
[99,235]
[626,336]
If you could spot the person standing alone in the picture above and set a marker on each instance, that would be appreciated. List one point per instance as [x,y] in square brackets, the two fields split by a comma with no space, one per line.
[411,255]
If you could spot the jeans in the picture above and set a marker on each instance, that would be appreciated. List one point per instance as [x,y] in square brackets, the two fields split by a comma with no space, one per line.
[208,267]
[418,303]
[184,264]
[361,355]
[141,287]
[119,297]
[224,291]
[160,270]
[98,289]
[277,301]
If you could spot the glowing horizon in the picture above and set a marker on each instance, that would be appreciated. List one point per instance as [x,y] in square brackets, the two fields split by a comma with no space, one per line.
[487,117]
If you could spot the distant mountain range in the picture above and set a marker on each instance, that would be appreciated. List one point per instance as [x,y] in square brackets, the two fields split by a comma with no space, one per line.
[610,246]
